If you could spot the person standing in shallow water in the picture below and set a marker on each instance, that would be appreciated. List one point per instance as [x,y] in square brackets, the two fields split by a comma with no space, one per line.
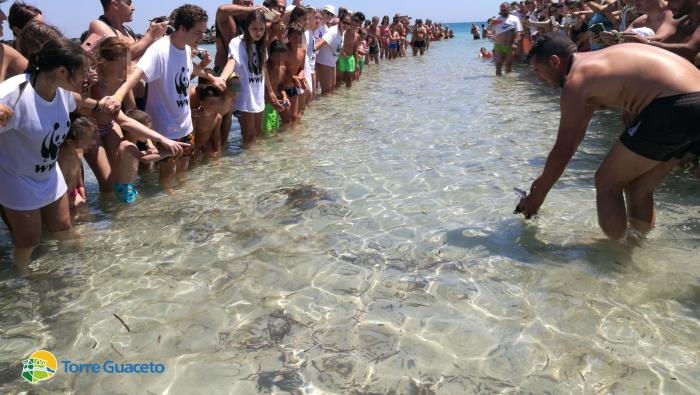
[34,123]
[508,32]
[660,91]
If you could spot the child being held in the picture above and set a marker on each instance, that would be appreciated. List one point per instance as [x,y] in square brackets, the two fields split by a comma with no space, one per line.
[81,136]
[128,157]
[206,120]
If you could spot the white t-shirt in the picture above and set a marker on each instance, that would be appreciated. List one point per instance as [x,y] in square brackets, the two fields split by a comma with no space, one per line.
[29,174]
[328,54]
[167,71]
[502,25]
[251,98]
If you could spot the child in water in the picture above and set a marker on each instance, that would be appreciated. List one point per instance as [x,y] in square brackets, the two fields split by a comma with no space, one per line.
[81,136]
[129,155]
[207,122]
[484,54]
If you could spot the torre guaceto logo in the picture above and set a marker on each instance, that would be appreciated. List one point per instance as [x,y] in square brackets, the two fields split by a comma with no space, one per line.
[41,365]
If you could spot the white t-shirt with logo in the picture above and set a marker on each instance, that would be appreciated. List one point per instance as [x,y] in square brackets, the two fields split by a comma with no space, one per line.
[502,25]
[29,174]
[251,98]
[167,71]
[328,54]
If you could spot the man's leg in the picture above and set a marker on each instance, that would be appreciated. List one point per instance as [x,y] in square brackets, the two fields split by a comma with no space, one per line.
[509,60]
[498,58]
[639,196]
[623,170]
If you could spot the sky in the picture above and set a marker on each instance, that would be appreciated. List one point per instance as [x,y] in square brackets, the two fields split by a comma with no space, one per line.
[73,16]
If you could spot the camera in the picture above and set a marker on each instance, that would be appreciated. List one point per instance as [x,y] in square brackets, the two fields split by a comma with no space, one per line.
[201,53]
[159,19]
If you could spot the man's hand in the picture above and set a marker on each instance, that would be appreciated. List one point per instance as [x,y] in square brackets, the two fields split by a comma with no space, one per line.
[530,204]
[110,104]
[157,30]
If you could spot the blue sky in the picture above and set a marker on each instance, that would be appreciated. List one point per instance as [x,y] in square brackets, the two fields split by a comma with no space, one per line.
[73,16]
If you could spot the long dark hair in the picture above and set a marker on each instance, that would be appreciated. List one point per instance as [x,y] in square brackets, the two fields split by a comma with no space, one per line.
[20,14]
[297,13]
[255,16]
[58,52]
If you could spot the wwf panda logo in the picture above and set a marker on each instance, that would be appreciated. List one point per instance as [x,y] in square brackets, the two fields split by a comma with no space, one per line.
[52,142]
[182,82]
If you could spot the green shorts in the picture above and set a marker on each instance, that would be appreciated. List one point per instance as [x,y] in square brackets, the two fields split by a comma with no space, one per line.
[271,120]
[362,64]
[502,48]
[346,64]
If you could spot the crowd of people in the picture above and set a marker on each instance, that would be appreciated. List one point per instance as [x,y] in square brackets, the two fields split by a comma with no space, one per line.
[124,103]
[593,25]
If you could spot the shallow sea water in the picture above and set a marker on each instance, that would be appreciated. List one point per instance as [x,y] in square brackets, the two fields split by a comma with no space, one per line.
[372,249]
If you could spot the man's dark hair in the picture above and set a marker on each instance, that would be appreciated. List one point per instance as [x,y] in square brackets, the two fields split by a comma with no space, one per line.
[187,16]
[105,3]
[358,17]
[552,43]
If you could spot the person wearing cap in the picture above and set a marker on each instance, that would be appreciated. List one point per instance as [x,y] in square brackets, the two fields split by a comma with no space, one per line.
[112,23]
[328,49]
[11,61]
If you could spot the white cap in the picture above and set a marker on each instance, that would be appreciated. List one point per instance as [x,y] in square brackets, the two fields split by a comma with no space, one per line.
[330,8]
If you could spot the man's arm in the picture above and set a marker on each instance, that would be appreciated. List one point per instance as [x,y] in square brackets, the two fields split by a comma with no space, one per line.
[136,75]
[155,31]
[575,115]
[134,126]
[688,50]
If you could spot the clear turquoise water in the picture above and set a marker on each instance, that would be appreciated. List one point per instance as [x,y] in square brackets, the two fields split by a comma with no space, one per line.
[372,249]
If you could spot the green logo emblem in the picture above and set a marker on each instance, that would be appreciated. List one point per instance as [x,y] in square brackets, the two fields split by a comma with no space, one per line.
[41,365]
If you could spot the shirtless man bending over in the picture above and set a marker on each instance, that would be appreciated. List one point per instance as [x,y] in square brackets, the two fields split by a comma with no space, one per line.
[661,92]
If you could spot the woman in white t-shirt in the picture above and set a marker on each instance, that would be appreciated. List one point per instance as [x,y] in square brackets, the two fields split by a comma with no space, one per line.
[37,104]
[247,58]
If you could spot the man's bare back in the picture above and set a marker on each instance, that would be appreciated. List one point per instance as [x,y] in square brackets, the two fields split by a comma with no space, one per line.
[629,76]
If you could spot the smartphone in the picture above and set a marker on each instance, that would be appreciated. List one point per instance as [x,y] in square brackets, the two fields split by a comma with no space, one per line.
[283,103]
[270,15]
[597,28]
[92,42]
